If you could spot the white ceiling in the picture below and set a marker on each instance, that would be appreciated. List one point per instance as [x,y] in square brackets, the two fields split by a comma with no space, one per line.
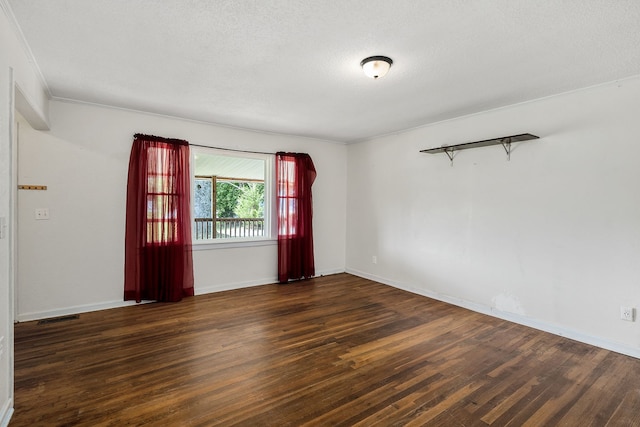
[293,66]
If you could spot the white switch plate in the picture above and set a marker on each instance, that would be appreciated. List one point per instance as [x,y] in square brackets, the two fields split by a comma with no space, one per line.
[3,227]
[42,213]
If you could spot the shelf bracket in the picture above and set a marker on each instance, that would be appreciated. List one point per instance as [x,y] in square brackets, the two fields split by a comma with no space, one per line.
[506,144]
[450,154]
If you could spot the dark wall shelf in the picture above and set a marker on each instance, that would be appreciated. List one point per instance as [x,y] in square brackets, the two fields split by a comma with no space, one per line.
[505,141]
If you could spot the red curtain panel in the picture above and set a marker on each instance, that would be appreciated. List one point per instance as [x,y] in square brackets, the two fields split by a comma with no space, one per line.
[158,258]
[295,174]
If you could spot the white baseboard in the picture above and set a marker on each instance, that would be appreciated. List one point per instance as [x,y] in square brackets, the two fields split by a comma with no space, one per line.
[511,317]
[7,412]
[25,317]
[199,290]
[330,272]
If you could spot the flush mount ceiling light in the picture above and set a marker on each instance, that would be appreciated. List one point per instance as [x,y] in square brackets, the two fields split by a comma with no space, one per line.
[376,66]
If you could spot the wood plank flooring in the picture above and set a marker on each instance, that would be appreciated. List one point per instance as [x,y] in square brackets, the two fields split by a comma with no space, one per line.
[336,350]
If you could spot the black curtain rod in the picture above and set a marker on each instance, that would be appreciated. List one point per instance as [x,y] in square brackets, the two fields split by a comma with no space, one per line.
[231,149]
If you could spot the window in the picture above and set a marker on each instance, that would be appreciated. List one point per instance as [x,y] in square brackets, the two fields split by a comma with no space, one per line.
[287,193]
[232,195]
[162,197]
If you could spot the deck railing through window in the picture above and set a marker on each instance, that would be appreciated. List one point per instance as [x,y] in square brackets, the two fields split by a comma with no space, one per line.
[226,228]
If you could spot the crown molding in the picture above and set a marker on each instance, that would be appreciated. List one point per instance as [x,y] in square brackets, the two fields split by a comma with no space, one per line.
[17,31]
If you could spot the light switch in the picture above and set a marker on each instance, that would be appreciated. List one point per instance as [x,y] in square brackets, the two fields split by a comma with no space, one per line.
[42,213]
[3,227]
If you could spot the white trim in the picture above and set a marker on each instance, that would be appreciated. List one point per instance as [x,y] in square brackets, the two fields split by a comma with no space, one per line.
[37,315]
[617,82]
[259,282]
[232,286]
[13,251]
[17,31]
[196,121]
[511,317]
[329,273]
[198,290]
[269,215]
[205,245]
[13,243]
[6,413]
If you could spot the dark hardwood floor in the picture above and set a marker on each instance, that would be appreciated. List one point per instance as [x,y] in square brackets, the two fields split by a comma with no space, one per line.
[336,350]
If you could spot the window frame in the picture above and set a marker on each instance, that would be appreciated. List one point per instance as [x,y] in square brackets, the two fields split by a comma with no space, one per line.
[270,216]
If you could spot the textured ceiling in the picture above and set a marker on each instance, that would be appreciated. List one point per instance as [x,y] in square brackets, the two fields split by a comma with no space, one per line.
[293,66]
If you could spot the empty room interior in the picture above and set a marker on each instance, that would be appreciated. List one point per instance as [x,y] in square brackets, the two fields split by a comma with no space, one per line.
[473,230]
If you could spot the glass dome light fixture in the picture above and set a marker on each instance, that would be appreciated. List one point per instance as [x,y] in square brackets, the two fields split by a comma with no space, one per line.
[376,66]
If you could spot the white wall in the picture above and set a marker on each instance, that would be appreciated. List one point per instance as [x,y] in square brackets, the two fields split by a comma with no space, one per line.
[16,72]
[550,239]
[74,261]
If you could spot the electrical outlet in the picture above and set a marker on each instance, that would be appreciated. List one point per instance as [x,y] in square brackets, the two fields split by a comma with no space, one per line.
[42,213]
[374,259]
[627,313]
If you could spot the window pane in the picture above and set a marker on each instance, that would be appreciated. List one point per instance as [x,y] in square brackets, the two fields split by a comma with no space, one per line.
[162,232]
[287,183]
[238,196]
[287,214]
[202,203]
[160,206]
[251,200]
[227,195]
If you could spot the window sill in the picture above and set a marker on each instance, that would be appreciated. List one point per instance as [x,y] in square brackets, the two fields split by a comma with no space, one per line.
[205,245]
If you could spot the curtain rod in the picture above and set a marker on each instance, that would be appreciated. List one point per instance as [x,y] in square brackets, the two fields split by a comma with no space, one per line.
[232,149]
